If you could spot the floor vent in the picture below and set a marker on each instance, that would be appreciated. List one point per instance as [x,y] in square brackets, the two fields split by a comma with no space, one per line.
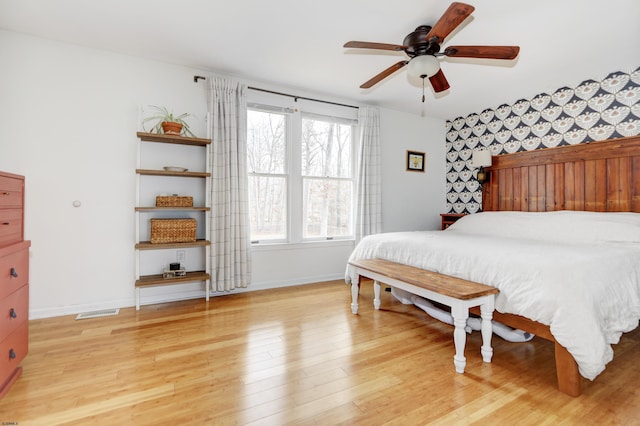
[97,314]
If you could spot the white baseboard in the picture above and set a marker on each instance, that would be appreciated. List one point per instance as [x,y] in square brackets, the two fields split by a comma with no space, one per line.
[59,311]
[278,284]
[171,297]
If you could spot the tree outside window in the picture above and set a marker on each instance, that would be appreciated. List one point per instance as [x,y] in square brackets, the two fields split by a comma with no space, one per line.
[319,192]
[266,163]
[326,176]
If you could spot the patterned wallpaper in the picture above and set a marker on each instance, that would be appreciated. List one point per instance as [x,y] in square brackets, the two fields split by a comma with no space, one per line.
[592,111]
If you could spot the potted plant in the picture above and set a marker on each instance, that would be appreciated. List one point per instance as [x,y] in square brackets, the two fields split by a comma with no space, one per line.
[169,123]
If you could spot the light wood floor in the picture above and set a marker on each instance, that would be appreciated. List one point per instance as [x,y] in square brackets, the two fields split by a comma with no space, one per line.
[298,356]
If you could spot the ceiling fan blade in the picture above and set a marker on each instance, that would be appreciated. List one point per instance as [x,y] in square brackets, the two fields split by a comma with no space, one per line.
[439,82]
[379,46]
[488,52]
[452,17]
[384,74]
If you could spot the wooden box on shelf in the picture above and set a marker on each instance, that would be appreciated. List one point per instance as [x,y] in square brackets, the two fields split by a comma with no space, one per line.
[174,201]
[173,230]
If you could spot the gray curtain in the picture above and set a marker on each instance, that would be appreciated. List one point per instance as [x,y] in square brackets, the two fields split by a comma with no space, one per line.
[229,217]
[368,174]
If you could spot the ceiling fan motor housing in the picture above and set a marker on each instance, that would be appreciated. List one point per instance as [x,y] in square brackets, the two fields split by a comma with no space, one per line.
[417,44]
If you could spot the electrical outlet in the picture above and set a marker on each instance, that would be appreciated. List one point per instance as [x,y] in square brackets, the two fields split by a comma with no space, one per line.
[180,256]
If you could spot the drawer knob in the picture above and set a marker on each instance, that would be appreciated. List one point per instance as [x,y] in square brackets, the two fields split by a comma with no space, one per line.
[12,354]
[12,313]
[6,223]
[5,193]
[14,273]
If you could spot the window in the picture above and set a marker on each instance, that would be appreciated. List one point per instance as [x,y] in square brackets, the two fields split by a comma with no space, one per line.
[300,175]
[326,177]
[266,163]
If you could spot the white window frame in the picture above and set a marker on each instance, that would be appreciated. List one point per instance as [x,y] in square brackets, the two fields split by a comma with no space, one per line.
[293,167]
[287,168]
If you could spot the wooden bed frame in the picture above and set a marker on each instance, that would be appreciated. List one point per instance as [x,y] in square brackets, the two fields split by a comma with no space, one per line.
[598,176]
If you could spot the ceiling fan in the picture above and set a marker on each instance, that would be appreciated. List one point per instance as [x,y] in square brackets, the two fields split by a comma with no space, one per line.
[423,47]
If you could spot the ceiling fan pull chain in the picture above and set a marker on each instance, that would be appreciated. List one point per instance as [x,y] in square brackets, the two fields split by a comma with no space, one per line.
[422,89]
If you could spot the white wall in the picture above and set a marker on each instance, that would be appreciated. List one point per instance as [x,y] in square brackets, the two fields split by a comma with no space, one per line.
[412,200]
[69,116]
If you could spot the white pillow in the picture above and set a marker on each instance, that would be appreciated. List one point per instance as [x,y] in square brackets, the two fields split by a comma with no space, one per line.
[561,226]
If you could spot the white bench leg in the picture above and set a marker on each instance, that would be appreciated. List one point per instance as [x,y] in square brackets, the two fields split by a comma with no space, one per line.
[486,312]
[460,313]
[355,289]
[376,294]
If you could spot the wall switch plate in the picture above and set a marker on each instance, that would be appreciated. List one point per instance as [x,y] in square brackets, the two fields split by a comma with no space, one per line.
[180,256]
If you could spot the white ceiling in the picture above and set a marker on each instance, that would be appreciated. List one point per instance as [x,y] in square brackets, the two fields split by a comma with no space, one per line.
[298,43]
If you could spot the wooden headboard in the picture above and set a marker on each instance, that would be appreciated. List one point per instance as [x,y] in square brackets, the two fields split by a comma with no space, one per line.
[596,176]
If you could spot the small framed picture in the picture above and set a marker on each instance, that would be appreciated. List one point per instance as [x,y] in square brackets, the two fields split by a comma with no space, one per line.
[415,161]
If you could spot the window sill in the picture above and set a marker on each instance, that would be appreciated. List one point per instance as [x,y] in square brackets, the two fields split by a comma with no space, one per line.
[303,245]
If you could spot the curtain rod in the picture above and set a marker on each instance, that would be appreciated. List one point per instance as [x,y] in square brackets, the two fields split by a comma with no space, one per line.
[295,97]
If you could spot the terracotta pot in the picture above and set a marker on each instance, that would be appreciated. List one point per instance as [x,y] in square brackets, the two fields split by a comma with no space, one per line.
[171,128]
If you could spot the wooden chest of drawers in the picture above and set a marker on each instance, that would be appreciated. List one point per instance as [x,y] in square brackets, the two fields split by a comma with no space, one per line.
[14,280]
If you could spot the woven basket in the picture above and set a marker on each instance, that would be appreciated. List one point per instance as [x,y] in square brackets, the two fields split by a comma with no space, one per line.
[173,230]
[174,201]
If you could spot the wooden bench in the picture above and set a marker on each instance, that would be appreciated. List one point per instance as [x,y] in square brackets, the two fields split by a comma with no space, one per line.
[454,292]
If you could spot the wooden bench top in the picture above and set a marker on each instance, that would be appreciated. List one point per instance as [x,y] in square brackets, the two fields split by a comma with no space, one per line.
[433,281]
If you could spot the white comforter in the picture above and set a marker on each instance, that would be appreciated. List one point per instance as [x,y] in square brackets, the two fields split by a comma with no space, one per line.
[577,272]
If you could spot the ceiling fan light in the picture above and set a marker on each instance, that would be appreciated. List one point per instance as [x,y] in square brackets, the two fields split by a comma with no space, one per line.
[423,66]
